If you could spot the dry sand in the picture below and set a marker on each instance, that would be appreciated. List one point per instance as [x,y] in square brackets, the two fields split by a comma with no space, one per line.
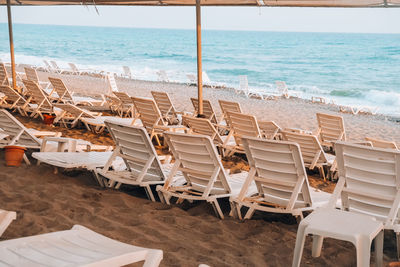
[189,234]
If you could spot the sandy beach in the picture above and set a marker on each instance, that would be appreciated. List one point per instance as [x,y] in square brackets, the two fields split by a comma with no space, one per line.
[189,234]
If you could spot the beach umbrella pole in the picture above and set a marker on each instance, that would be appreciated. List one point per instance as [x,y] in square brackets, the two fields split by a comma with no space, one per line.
[199,67]
[10,33]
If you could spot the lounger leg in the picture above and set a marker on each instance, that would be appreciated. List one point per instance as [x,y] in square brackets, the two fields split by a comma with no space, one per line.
[317,245]
[249,213]
[217,208]
[149,193]
[234,211]
[153,258]
[363,251]
[398,245]
[379,249]
[298,249]
[26,160]
[98,178]
[161,196]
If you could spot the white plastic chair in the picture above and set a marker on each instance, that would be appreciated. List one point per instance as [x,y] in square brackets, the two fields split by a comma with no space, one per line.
[370,193]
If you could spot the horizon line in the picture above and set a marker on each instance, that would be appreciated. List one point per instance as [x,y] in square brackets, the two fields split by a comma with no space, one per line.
[209,29]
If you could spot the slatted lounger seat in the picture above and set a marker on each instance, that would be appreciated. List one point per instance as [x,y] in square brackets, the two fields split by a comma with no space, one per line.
[79,246]
[197,158]
[278,170]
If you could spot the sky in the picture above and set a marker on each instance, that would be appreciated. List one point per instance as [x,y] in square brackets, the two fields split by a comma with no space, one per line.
[363,20]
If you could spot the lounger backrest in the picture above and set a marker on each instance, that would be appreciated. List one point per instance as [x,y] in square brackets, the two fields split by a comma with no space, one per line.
[280,174]
[3,75]
[311,148]
[37,94]
[127,71]
[164,103]
[243,125]
[75,111]
[61,89]
[124,97]
[369,180]
[243,83]
[204,127]
[192,77]
[54,65]
[382,143]
[31,74]
[331,128]
[229,106]
[199,163]
[73,67]
[11,94]
[134,146]
[148,111]
[281,87]
[16,131]
[112,83]
[208,110]
[205,77]
[269,129]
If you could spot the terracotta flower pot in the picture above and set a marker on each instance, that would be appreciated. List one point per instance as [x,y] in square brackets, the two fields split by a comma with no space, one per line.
[14,155]
[48,119]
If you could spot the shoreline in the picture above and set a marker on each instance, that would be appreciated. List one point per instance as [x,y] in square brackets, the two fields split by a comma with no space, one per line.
[293,112]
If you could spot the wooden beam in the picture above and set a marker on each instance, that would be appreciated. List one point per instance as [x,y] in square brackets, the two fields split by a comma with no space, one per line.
[199,66]
[10,33]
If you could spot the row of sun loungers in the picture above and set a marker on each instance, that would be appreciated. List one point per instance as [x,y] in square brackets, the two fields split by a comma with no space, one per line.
[276,182]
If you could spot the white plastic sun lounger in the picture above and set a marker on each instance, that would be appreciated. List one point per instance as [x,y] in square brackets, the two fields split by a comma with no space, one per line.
[382,143]
[4,76]
[6,217]
[56,68]
[152,118]
[312,152]
[126,107]
[198,160]
[32,75]
[206,80]
[42,103]
[208,110]
[12,99]
[278,170]
[144,168]
[66,96]
[242,125]
[17,134]
[79,246]
[245,89]
[112,83]
[166,107]
[369,188]
[127,72]
[330,129]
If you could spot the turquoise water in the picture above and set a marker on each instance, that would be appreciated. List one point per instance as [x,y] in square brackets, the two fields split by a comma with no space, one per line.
[349,68]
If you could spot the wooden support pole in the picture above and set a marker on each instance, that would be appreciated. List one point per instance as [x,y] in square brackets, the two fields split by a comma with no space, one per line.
[10,32]
[199,67]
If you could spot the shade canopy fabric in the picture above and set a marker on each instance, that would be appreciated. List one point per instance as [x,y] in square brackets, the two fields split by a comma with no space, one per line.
[288,3]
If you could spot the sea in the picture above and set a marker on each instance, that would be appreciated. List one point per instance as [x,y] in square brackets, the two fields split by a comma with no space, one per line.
[349,68]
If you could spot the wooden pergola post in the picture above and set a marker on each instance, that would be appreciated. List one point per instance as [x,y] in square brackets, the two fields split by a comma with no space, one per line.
[10,33]
[199,67]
